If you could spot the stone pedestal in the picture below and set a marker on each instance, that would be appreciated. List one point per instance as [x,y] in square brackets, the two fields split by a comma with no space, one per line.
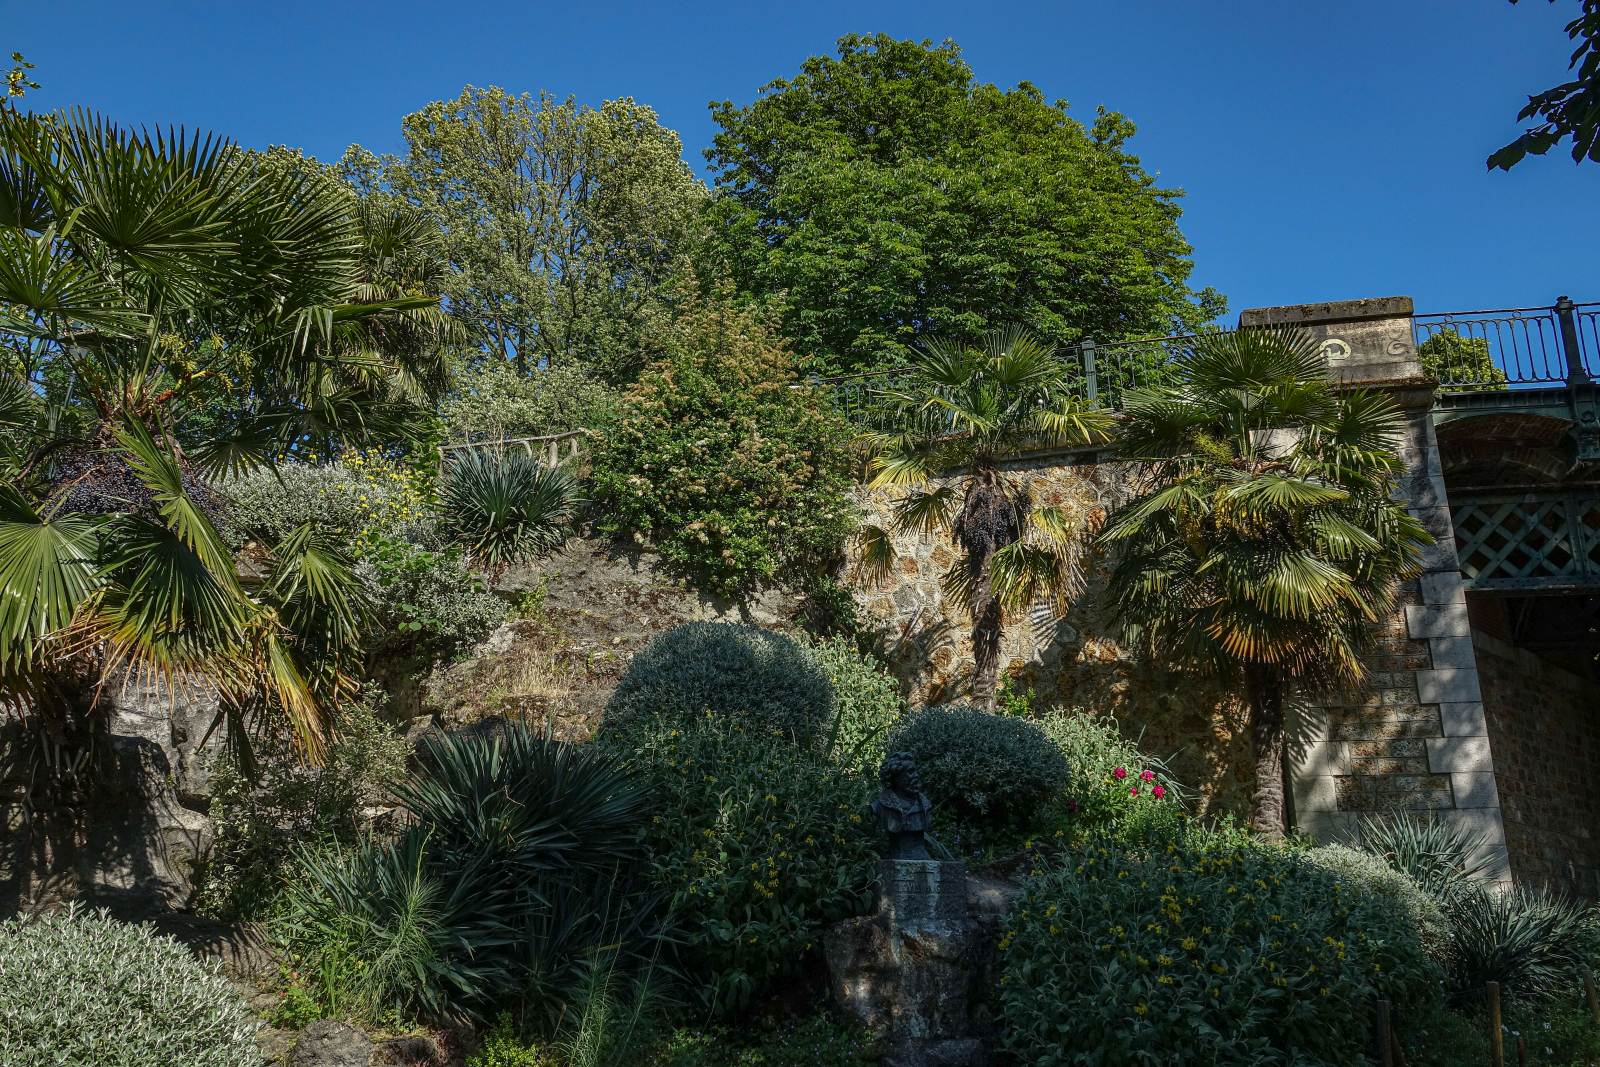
[915,972]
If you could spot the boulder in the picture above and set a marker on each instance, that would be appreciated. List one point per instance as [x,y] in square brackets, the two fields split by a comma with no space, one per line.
[329,1043]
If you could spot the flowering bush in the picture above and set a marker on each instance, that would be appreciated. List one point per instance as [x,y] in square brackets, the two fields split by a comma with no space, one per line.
[1215,942]
[736,476]
[1113,788]
[358,498]
[758,844]
[757,676]
[993,769]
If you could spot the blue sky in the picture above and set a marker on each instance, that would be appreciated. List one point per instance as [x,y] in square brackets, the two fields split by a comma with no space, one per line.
[1328,150]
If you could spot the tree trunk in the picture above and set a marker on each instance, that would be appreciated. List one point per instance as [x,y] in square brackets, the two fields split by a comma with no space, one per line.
[1264,691]
[986,626]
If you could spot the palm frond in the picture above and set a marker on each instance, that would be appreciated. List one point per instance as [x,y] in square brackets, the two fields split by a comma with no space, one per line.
[47,572]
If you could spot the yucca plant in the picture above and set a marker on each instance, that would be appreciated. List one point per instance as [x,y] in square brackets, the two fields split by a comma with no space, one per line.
[1445,859]
[507,507]
[172,306]
[1267,540]
[1532,941]
[959,412]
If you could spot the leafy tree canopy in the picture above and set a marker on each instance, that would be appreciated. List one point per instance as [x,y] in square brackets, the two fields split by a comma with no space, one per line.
[564,224]
[1571,110]
[1460,364]
[887,195]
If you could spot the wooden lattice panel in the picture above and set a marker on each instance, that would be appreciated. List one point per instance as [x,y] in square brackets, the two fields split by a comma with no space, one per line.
[1528,541]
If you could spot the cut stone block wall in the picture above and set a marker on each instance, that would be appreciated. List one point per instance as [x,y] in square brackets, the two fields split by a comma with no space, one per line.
[1544,727]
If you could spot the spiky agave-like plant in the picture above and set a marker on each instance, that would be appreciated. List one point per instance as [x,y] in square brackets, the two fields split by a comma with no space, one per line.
[507,507]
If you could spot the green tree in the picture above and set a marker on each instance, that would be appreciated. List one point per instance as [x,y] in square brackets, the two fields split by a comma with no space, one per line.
[961,411]
[889,196]
[1571,110]
[735,472]
[1269,540]
[1460,364]
[564,224]
[137,271]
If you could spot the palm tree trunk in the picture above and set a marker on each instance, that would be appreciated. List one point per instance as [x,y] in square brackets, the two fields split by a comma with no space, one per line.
[986,626]
[1264,692]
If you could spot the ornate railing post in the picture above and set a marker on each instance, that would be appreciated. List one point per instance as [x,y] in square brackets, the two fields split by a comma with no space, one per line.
[1091,376]
[1567,316]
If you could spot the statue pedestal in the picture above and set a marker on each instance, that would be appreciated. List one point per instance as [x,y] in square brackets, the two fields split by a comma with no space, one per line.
[915,971]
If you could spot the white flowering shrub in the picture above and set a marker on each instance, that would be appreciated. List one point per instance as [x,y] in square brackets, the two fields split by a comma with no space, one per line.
[80,988]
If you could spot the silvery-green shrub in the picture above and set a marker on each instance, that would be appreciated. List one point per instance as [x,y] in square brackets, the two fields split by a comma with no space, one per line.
[866,702]
[80,988]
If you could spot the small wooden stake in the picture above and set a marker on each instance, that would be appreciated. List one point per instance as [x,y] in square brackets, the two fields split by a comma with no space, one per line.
[1594,997]
[1385,1036]
[1522,1051]
[1497,1041]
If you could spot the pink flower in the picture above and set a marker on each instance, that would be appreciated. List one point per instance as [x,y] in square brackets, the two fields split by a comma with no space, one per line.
[1147,776]
[1119,774]
[1134,791]
[1158,792]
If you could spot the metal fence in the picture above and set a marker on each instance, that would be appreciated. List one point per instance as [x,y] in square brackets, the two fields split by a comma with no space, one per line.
[1467,351]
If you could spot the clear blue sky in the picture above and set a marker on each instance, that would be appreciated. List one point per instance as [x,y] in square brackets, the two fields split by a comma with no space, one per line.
[1328,150]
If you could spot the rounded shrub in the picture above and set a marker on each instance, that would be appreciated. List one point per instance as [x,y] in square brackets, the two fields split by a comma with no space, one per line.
[757,844]
[1218,942]
[81,987]
[1113,789]
[866,702]
[993,768]
[1376,879]
[741,672]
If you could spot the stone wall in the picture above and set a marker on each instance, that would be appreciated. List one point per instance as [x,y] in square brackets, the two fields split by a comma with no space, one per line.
[1544,727]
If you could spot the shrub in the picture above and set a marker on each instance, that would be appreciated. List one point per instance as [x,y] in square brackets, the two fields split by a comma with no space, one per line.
[355,499]
[287,802]
[81,988]
[511,886]
[494,402]
[757,844]
[866,702]
[1530,941]
[1381,882]
[744,672]
[995,769]
[430,606]
[1113,789]
[815,1041]
[1217,942]
[737,477]
[507,508]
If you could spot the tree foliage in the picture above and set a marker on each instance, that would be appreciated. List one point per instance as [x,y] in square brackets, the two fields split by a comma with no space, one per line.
[1268,539]
[563,223]
[1569,111]
[960,410]
[888,195]
[1460,363]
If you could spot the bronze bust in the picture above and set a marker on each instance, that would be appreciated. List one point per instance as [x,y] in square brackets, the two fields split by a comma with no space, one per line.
[903,811]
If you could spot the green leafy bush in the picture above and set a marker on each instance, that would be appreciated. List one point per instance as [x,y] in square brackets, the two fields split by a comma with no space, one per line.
[744,672]
[512,885]
[1216,942]
[994,769]
[1378,880]
[815,1041]
[737,477]
[259,819]
[1113,788]
[757,844]
[81,988]
[495,402]
[430,606]
[866,702]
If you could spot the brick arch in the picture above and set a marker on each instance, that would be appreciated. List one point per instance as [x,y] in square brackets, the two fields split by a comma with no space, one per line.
[1513,448]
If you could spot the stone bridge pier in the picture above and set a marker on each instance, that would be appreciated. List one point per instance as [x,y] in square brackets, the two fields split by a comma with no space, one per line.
[1416,739]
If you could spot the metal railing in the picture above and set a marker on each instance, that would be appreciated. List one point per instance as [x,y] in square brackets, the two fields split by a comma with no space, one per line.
[1509,347]
[1468,351]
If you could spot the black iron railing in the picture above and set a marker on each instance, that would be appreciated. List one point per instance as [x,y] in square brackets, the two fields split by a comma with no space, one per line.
[1467,351]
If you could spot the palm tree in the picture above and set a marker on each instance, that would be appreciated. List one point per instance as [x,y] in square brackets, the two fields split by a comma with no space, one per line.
[960,411]
[1267,541]
[171,307]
